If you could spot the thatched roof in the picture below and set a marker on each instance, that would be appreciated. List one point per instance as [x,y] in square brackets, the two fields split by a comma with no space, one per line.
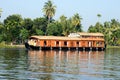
[64,38]
[54,38]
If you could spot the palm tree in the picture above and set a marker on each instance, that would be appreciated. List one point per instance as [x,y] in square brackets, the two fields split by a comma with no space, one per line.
[63,18]
[76,20]
[49,9]
[67,28]
[0,11]
[66,25]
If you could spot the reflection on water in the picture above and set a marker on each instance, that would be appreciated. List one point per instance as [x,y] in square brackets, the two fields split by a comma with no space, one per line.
[69,64]
[19,64]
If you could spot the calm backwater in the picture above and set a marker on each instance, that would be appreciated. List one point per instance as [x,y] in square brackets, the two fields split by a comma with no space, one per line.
[19,64]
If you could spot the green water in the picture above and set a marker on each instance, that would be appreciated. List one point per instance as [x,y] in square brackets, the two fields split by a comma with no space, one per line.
[19,64]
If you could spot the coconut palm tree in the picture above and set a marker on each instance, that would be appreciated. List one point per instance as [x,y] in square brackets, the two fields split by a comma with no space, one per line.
[66,25]
[76,20]
[63,18]
[49,9]
[63,21]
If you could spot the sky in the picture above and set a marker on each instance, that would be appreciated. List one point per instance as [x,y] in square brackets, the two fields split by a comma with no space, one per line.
[87,9]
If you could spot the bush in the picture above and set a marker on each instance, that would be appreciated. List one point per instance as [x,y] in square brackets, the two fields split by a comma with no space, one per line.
[2,44]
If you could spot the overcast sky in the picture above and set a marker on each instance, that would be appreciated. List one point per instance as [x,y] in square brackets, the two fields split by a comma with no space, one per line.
[87,9]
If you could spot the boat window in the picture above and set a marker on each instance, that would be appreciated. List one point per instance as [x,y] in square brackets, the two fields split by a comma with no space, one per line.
[57,42]
[65,43]
[45,43]
[77,44]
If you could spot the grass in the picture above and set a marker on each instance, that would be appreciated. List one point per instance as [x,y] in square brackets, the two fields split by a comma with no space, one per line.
[3,45]
[113,46]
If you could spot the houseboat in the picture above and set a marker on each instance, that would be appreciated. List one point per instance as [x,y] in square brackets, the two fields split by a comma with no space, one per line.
[74,41]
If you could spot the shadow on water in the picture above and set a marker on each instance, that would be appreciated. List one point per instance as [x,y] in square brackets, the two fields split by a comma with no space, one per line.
[19,64]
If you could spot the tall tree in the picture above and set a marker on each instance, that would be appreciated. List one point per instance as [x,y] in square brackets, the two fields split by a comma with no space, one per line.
[76,21]
[49,9]
[63,21]
[67,26]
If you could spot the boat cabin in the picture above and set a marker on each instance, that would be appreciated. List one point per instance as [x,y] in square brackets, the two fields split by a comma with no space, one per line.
[80,41]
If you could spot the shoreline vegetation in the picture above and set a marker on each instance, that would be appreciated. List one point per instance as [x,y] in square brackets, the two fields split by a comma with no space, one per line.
[113,47]
[12,46]
[3,45]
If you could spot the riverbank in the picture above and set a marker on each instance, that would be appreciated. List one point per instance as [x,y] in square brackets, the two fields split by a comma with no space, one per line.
[2,45]
[15,46]
[113,47]
[11,46]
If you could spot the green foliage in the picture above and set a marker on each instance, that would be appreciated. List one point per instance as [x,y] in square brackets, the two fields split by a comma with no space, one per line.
[49,9]
[12,28]
[76,22]
[118,42]
[111,31]
[1,32]
[39,32]
[54,29]
[92,29]
[28,25]
[24,34]
[40,24]
[1,37]
[71,25]
[2,44]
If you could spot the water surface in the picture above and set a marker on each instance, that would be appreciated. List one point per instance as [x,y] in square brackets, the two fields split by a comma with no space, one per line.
[19,64]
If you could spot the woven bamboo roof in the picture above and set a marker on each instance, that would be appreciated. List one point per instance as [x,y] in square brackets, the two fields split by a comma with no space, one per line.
[54,38]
